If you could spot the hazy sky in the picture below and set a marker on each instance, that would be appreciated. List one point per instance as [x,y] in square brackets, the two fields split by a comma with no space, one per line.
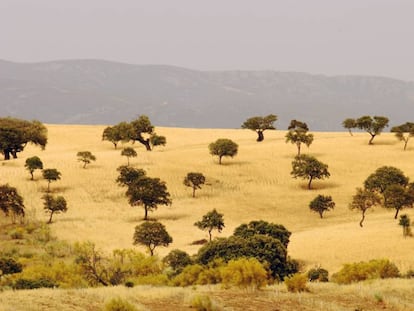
[370,37]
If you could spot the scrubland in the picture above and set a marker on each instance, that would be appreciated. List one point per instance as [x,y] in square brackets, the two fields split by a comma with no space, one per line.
[254,185]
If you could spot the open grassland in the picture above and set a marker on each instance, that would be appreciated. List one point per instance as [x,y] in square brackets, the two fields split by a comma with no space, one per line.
[391,295]
[254,185]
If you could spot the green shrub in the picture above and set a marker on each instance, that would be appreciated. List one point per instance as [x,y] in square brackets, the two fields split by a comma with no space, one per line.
[374,269]
[204,303]
[244,273]
[296,283]
[9,266]
[409,274]
[318,274]
[177,260]
[118,304]
[129,284]
[189,276]
[32,284]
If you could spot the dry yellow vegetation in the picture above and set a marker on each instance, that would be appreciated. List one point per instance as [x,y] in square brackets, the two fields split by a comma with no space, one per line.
[254,185]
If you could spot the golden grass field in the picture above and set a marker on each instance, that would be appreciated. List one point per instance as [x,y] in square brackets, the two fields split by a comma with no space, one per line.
[256,184]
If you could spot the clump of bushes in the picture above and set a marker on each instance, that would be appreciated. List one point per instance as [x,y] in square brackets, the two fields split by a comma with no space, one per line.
[32,284]
[373,269]
[318,275]
[204,303]
[247,273]
[118,304]
[296,283]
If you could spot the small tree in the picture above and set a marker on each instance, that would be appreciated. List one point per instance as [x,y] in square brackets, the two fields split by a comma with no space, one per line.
[349,124]
[298,134]
[152,234]
[177,260]
[194,180]
[308,167]
[129,153]
[51,174]
[32,164]
[149,193]
[398,197]
[11,203]
[372,125]
[405,223]
[157,140]
[128,175]
[210,221]
[321,204]
[260,124]
[404,132]
[86,157]
[113,135]
[223,147]
[54,205]
[363,200]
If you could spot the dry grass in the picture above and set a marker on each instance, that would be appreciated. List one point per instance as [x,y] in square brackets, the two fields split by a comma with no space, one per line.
[256,184]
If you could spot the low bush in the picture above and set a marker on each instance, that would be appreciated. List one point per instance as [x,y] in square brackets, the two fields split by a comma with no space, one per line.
[296,283]
[9,266]
[118,304]
[17,233]
[32,284]
[204,303]
[318,275]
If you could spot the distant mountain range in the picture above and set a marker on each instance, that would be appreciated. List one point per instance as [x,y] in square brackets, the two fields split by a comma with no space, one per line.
[103,92]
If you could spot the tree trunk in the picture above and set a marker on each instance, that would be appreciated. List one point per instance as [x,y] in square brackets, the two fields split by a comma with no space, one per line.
[396,213]
[220,159]
[115,145]
[50,218]
[145,142]
[320,214]
[350,132]
[370,141]
[31,173]
[6,154]
[14,154]
[309,183]
[298,144]
[405,144]
[48,186]
[151,250]
[146,213]
[128,161]
[362,220]
[209,234]
[260,136]
[84,164]
[194,189]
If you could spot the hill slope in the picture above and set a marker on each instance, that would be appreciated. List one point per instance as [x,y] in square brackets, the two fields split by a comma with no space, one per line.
[102,92]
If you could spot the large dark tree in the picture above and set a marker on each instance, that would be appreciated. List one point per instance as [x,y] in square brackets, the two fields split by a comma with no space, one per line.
[210,221]
[308,167]
[152,234]
[372,125]
[140,127]
[384,177]
[149,193]
[298,134]
[15,134]
[364,200]
[260,124]
[223,147]
[404,132]
[11,203]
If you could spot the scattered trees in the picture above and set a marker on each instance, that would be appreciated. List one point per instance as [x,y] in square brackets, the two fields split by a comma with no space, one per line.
[32,164]
[194,180]
[363,200]
[308,167]
[372,125]
[349,124]
[54,205]
[298,134]
[86,157]
[152,234]
[260,124]
[210,221]
[15,134]
[321,204]
[51,174]
[223,147]
[128,152]
[405,223]
[11,203]
[404,132]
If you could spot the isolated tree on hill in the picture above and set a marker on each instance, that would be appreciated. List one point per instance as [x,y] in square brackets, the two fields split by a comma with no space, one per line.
[308,167]
[194,180]
[298,134]
[32,164]
[54,205]
[321,204]
[141,126]
[363,200]
[398,197]
[129,153]
[152,234]
[404,132]
[128,175]
[157,140]
[15,134]
[260,124]
[384,177]
[51,174]
[372,125]
[210,221]
[149,193]
[223,147]
[11,203]
[86,157]
[349,124]
[405,223]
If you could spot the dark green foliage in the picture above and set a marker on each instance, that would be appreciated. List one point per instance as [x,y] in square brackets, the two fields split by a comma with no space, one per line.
[15,134]
[157,140]
[177,260]
[152,234]
[117,133]
[33,284]
[404,132]
[11,203]
[212,220]
[321,204]
[127,175]
[32,164]
[298,134]
[372,125]
[9,266]
[308,167]
[51,174]
[194,180]
[148,192]
[142,125]
[129,153]
[405,223]
[363,200]
[223,147]
[349,124]
[398,197]
[384,177]
[318,275]
[54,205]
[86,157]
[264,228]
[260,124]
